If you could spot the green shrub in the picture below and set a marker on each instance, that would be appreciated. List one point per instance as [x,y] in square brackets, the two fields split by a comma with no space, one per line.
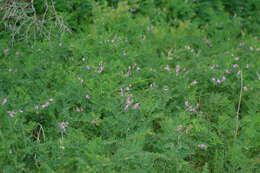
[133,92]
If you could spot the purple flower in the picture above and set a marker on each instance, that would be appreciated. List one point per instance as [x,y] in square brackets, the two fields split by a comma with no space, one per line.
[191,109]
[62,126]
[136,105]
[126,107]
[235,66]
[186,103]
[218,81]
[88,68]
[177,69]
[245,88]
[45,105]
[87,96]
[238,73]
[228,71]
[237,58]
[223,78]
[129,100]
[213,79]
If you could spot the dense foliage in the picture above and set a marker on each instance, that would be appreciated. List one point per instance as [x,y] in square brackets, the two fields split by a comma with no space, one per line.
[130,86]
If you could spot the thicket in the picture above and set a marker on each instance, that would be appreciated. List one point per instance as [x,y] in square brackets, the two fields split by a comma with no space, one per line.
[24,19]
[130,86]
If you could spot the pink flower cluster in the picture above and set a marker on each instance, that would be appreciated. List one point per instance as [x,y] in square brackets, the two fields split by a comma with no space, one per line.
[12,114]
[129,103]
[167,68]
[191,108]
[177,69]
[218,81]
[62,126]
[45,105]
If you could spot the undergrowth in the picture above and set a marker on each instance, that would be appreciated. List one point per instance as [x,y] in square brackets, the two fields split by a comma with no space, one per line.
[133,92]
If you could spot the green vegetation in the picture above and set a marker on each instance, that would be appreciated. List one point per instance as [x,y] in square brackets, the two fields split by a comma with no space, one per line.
[140,86]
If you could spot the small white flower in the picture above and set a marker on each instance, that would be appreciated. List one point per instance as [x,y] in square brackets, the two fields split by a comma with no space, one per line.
[228,71]
[203,146]
[78,109]
[101,68]
[167,68]
[194,82]
[152,85]
[87,96]
[45,105]
[11,114]
[245,88]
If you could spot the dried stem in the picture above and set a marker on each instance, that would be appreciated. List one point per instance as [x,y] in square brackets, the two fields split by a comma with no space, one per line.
[23,22]
[239,104]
